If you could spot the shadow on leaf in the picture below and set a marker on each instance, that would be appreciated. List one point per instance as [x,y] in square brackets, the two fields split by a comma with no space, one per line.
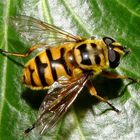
[34,98]
[106,88]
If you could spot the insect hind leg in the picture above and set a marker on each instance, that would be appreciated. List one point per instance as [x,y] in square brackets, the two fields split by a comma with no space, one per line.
[29,51]
[94,93]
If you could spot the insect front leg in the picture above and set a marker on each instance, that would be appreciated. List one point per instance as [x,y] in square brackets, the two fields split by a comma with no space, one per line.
[116,76]
[30,50]
[93,92]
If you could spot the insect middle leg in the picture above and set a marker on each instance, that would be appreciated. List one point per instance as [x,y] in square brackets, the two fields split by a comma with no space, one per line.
[93,92]
[116,76]
[30,50]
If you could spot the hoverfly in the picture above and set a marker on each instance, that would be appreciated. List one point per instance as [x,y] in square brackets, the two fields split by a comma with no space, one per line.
[65,66]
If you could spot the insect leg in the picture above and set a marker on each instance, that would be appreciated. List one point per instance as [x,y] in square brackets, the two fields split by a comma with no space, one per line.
[30,50]
[93,92]
[116,76]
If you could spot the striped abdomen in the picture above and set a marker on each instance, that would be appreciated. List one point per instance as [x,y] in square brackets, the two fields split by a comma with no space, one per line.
[45,68]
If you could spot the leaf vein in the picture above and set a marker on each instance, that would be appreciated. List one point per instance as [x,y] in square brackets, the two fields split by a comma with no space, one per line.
[4,71]
[78,125]
[131,11]
[76,18]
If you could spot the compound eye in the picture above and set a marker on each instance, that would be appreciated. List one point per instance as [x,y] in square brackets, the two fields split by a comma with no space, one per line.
[108,41]
[112,55]
[114,58]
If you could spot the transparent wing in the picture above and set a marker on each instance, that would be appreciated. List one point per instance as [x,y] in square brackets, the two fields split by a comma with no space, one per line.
[60,97]
[36,31]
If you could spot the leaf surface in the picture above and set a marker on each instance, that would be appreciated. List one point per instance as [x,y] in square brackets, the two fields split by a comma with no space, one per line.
[87,119]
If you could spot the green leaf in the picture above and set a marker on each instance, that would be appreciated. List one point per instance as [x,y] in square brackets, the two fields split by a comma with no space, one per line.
[87,119]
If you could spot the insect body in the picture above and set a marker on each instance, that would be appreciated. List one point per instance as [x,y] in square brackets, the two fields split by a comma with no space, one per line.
[65,66]
[53,63]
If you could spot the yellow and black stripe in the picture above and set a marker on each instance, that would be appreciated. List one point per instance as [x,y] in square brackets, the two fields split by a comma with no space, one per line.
[46,68]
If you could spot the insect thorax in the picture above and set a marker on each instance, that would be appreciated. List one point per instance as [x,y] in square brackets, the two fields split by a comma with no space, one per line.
[91,55]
